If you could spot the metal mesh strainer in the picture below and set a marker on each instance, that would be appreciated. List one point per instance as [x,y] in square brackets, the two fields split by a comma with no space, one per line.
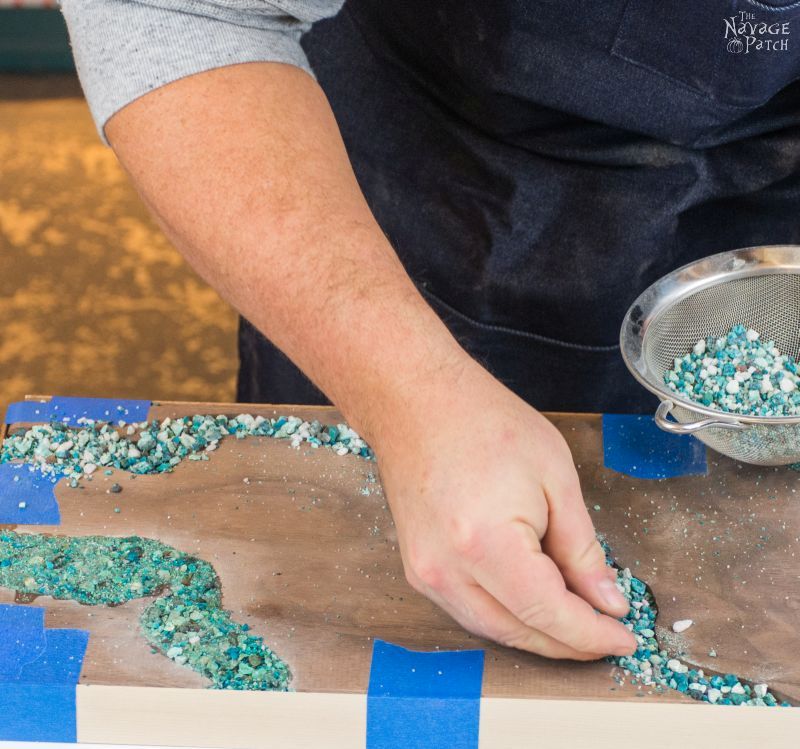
[758,287]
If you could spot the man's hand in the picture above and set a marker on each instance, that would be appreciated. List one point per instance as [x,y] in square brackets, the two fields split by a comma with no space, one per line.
[246,171]
[492,524]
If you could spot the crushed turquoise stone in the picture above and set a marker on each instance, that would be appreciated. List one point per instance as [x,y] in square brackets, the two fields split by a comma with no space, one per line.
[738,373]
[158,446]
[652,665]
[186,622]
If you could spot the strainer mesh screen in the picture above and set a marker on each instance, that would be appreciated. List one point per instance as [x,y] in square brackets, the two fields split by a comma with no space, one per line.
[770,304]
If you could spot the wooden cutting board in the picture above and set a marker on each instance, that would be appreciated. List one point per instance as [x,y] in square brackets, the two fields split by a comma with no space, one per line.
[304,545]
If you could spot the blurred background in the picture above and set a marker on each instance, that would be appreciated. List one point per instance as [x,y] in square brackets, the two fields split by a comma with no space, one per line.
[93,299]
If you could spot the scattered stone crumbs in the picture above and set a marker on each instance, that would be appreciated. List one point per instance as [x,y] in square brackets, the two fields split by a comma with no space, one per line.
[158,446]
[738,373]
[681,625]
[186,622]
[651,665]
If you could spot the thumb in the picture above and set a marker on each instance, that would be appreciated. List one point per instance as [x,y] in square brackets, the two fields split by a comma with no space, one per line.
[571,542]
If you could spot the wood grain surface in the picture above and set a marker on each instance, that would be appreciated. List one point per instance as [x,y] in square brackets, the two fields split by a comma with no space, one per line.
[304,544]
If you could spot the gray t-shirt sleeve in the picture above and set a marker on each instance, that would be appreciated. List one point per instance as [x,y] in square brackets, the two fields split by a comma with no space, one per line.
[125,48]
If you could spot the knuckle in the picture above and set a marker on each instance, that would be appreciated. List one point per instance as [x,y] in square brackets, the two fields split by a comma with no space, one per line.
[557,446]
[424,572]
[590,555]
[431,575]
[518,638]
[584,643]
[538,614]
[412,579]
[467,540]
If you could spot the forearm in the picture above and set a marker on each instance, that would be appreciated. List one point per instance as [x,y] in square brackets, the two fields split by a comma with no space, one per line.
[246,172]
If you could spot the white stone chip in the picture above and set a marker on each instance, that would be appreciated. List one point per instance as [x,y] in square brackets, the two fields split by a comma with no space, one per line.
[676,666]
[682,625]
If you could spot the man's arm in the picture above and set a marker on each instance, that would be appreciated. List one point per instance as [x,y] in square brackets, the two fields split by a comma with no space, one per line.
[246,171]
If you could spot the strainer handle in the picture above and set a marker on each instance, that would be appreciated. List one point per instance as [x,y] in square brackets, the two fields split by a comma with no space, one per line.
[668,425]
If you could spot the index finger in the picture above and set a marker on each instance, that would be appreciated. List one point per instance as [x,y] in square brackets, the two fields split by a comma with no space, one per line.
[571,542]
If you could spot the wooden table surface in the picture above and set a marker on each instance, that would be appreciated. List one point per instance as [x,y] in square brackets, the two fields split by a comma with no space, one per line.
[307,554]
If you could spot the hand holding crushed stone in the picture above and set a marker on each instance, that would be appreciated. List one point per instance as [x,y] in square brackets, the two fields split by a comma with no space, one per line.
[493,527]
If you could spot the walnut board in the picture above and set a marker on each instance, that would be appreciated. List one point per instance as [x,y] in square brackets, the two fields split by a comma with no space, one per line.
[306,551]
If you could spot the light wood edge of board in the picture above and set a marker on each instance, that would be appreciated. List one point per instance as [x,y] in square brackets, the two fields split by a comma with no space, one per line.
[200,404]
[299,720]
[288,407]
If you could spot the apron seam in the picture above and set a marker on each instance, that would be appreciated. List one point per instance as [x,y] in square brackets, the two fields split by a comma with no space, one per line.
[491,327]
[774,8]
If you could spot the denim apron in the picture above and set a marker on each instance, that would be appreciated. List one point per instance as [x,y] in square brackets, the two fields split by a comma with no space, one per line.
[537,163]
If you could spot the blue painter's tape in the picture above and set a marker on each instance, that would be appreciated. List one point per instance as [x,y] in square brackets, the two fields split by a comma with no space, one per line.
[38,712]
[61,661]
[27,411]
[423,700]
[68,410]
[635,446]
[22,638]
[21,483]
[40,669]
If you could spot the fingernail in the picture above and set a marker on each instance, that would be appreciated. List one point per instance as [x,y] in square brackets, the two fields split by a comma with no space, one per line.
[611,595]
